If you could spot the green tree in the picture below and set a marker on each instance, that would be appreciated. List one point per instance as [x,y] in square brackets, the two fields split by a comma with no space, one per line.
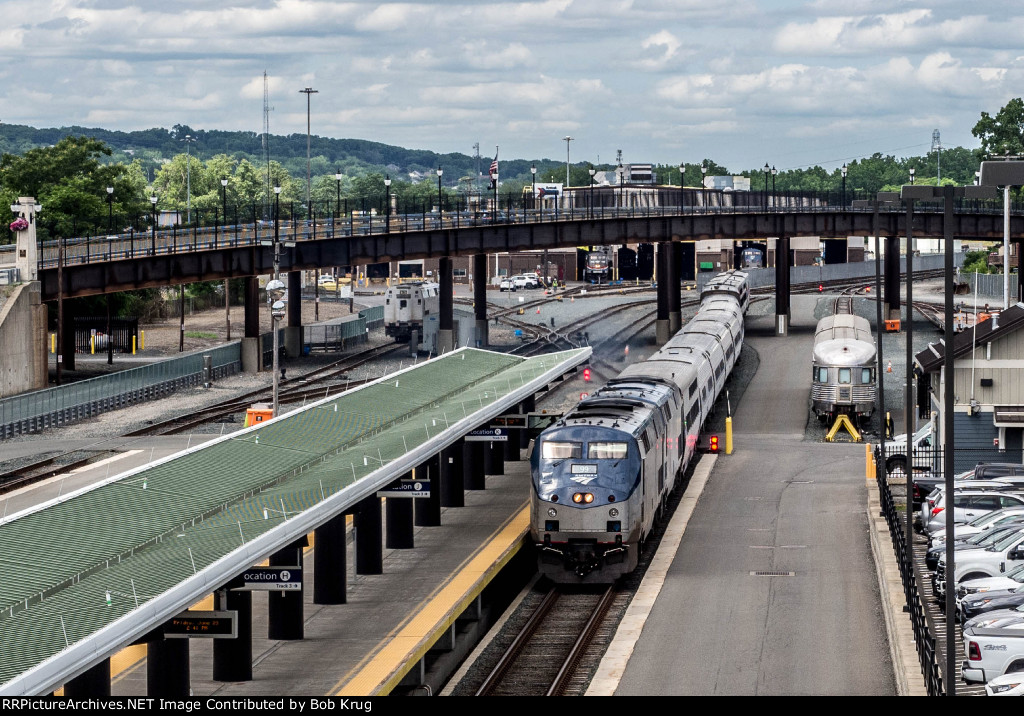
[70,182]
[1004,133]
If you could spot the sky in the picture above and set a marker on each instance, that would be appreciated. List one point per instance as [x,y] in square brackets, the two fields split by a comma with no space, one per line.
[742,82]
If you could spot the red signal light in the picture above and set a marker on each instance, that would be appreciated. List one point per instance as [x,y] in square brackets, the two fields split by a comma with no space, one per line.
[820,288]
[586,374]
[714,443]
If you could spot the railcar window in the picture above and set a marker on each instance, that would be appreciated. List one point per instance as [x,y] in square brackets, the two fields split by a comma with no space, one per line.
[606,451]
[693,388]
[845,376]
[552,450]
[865,375]
[647,441]
[822,375]
[403,303]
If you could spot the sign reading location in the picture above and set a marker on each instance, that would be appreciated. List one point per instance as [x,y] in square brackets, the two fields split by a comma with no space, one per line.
[271,579]
[202,625]
[498,435]
[407,488]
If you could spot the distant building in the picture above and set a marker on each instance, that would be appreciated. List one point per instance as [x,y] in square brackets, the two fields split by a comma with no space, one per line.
[727,183]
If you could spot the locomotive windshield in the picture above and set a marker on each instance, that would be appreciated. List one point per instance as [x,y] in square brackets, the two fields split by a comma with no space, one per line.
[607,451]
[560,450]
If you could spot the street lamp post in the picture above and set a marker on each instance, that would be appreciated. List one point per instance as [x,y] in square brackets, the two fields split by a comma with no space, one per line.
[387,204]
[682,182]
[110,209]
[621,171]
[440,171]
[189,139]
[275,292]
[567,139]
[152,215]
[337,197]
[703,184]
[592,173]
[767,169]
[912,170]
[533,186]
[844,169]
[494,183]
[308,91]
[224,202]
[775,201]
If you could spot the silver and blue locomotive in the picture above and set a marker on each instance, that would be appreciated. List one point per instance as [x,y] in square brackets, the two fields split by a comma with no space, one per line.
[603,473]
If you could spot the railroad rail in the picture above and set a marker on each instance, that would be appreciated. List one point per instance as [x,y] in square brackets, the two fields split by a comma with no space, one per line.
[548,648]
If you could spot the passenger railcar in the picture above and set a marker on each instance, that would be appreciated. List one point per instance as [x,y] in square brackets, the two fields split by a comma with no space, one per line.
[843,376]
[405,307]
[604,471]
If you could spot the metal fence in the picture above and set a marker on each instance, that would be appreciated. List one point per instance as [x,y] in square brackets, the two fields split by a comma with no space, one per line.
[51,407]
[927,653]
[990,285]
[339,336]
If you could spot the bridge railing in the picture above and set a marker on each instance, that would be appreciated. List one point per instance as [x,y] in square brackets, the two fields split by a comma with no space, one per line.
[454,214]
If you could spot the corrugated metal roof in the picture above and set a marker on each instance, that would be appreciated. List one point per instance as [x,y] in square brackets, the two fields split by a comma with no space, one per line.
[1003,323]
[78,564]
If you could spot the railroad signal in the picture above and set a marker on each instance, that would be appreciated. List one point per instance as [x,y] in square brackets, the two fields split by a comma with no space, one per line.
[586,374]
[821,288]
[714,443]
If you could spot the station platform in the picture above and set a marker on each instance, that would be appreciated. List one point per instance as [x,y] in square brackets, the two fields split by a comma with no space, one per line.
[361,648]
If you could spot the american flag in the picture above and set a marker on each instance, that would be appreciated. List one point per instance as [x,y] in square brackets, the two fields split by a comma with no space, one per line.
[494,168]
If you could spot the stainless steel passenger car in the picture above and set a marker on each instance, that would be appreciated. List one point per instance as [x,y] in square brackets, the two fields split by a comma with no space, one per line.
[604,471]
[406,305]
[843,376]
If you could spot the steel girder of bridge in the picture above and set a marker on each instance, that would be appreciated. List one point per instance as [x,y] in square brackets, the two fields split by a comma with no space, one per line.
[164,269]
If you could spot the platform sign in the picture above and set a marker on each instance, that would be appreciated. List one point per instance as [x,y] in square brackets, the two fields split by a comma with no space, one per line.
[516,420]
[202,625]
[497,435]
[407,488]
[271,579]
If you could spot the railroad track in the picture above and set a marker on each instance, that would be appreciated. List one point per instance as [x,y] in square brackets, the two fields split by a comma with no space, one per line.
[550,647]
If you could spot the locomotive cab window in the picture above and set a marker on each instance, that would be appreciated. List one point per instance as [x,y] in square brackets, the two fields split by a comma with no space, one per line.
[845,376]
[557,450]
[403,303]
[606,451]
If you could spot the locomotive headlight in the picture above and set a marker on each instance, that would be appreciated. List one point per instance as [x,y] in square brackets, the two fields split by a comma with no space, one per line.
[588,497]
[613,512]
[577,497]
[552,512]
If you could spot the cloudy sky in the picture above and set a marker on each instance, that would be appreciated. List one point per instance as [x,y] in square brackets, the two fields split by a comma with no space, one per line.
[742,82]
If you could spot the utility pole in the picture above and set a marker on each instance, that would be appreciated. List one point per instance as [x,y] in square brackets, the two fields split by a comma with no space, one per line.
[567,139]
[937,148]
[309,207]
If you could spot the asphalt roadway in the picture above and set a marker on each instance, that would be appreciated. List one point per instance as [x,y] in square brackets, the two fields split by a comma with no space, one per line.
[781,505]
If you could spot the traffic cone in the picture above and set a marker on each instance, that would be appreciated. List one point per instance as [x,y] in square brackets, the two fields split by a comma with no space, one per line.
[538,309]
[889,369]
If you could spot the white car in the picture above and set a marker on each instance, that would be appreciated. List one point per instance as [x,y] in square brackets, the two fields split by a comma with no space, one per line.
[978,524]
[922,453]
[994,647]
[523,281]
[990,561]
[969,504]
[1011,684]
[507,284]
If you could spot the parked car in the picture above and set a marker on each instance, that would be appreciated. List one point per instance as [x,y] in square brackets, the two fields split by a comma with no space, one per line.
[994,648]
[921,452]
[982,539]
[969,504]
[983,471]
[1011,684]
[525,282]
[507,284]
[983,561]
[990,602]
[978,524]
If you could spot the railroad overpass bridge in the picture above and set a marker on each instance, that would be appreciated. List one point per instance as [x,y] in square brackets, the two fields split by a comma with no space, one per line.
[161,257]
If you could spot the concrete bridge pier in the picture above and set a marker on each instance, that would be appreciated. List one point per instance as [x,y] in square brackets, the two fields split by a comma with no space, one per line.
[892,277]
[330,561]
[782,264]
[252,355]
[675,300]
[445,333]
[428,509]
[663,324]
[473,462]
[480,299]
[284,609]
[453,491]
[293,333]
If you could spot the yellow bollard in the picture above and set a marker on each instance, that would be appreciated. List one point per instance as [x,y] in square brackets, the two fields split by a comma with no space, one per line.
[92,345]
[53,343]
[869,461]
[142,340]
[728,436]
[133,345]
